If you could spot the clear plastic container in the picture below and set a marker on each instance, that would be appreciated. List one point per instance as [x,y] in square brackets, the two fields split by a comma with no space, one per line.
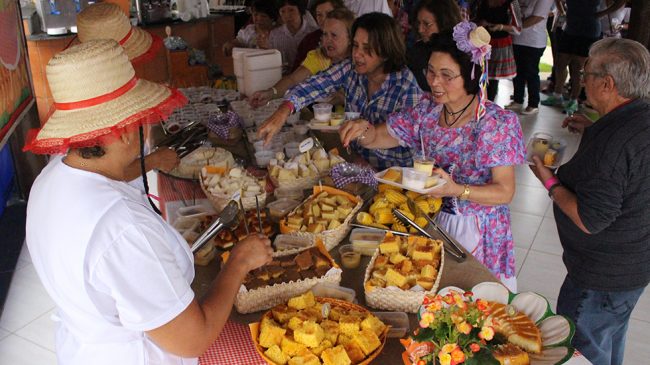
[193,211]
[366,241]
[289,242]
[414,179]
[350,259]
[289,193]
[281,207]
[323,112]
[337,119]
[263,158]
[398,322]
[328,290]
[292,149]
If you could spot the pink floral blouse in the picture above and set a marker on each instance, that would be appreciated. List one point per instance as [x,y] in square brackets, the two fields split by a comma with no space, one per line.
[469,152]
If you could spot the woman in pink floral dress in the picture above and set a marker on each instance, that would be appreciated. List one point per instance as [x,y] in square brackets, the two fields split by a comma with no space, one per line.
[474,141]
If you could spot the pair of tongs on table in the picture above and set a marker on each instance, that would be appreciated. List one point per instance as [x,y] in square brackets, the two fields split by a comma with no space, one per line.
[228,218]
[453,247]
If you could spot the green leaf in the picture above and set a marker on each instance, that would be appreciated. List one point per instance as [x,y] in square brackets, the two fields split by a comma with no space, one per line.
[424,335]
[483,357]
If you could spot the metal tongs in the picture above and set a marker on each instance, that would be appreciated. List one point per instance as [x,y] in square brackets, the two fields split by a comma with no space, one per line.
[408,222]
[431,223]
[228,218]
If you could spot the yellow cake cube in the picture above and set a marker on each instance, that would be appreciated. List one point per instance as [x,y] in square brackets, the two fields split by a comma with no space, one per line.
[305,359]
[331,329]
[343,339]
[397,257]
[274,353]
[367,341]
[393,278]
[302,301]
[349,325]
[422,255]
[354,352]
[271,334]
[335,356]
[291,347]
[323,346]
[336,313]
[389,246]
[310,334]
[282,313]
[373,323]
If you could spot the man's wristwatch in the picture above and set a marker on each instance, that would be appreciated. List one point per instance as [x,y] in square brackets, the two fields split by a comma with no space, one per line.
[465,194]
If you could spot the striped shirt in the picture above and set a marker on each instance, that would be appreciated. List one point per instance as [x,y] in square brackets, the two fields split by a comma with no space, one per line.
[281,39]
[399,90]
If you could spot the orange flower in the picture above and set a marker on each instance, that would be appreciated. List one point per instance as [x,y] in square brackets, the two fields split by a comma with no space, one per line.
[481,305]
[487,333]
[449,299]
[474,347]
[421,362]
[464,328]
[468,294]
[457,356]
[445,359]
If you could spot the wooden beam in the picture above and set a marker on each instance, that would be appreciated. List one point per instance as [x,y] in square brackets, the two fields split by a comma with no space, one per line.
[639,28]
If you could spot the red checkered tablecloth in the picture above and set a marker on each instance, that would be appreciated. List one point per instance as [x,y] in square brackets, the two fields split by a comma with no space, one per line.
[233,347]
[171,189]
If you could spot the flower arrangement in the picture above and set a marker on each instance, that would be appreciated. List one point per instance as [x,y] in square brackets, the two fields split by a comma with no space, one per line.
[451,332]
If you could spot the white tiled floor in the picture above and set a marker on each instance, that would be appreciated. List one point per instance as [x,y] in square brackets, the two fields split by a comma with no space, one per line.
[27,332]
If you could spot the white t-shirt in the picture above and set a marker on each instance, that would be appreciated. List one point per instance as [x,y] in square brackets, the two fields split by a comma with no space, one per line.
[534,36]
[360,7]
[114,268]
[281,39]
[247,36]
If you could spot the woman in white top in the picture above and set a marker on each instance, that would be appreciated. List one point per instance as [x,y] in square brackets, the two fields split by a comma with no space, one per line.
[118,273]
[264,14]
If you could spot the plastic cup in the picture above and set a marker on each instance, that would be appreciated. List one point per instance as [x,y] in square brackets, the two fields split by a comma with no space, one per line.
[350,259]
[424,164]
[323,112]
[337,119]
[414,179]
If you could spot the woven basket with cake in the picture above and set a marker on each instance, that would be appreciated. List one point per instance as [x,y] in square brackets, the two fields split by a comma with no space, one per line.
[326,214]
[402,272]
[286,277]
[303,170]
[314,330]
[219,186]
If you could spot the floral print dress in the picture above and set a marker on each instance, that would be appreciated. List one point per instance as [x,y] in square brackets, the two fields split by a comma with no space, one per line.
[469,152]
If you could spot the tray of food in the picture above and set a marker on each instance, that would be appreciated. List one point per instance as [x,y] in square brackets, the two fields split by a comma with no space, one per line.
[402,272]
[409,178]
[549,149]
[285,277]
[326,214]
[220,185]
[315,330]
[189,167]
[511,328]
[380,212]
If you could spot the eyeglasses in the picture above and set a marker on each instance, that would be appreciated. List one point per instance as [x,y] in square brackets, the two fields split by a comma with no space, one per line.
[445,77]
[584,74]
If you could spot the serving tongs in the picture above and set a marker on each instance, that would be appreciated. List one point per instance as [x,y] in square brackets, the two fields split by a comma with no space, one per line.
[396,233]
[228,218]
[431,223]
[408,222]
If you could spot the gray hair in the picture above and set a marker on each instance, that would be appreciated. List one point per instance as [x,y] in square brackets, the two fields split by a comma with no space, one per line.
[626,61]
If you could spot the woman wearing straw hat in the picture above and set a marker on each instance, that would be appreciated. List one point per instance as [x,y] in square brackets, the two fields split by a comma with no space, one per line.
[108,21]
[119,274]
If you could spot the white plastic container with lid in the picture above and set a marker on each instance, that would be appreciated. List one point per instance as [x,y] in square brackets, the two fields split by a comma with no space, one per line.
[281,207]
[366,241]
[328,290]
[290,242]
[398,322]
[262,70]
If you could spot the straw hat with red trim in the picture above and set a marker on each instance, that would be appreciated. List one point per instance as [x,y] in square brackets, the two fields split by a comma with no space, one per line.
[108,21]
[97,98]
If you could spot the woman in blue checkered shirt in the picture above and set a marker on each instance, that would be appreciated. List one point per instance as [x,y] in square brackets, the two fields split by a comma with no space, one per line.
[376,83]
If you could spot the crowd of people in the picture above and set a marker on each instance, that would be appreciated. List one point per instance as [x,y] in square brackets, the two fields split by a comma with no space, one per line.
[434,100]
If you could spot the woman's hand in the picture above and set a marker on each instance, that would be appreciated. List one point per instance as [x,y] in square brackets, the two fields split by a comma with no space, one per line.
[542,172]
[273,125]
[164,159]
[262,39]
[576,123]
[252,252]
[260,98]
[359,129]
[450,189]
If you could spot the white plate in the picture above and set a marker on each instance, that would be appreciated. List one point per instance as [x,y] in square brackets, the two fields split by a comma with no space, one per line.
[317,126]
[379,176]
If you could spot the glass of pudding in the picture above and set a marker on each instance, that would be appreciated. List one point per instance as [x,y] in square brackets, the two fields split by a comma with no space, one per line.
[350,259]
[423,163]
[541,142]
[337,119]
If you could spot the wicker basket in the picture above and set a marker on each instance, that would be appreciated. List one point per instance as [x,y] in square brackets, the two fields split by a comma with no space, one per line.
[331,237]
[219,201]
[301,183]
[303,235]
[395,299]
[255,329]
[255,300]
